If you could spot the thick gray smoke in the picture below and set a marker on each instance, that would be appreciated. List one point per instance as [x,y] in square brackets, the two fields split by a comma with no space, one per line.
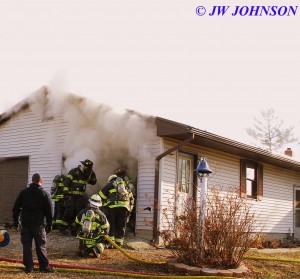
[97,132]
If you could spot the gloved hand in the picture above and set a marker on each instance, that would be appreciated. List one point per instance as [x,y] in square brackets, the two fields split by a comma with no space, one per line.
[48,229]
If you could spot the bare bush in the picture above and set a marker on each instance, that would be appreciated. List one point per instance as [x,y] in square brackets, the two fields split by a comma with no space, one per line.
[220,239]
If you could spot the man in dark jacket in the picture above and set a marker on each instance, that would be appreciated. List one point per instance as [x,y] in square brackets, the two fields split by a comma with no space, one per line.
[33,205]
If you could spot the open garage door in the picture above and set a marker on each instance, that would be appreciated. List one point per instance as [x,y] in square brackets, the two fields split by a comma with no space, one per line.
[13,178]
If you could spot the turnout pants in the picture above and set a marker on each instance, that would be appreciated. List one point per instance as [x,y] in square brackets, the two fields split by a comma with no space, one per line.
[73,205]
[117,218]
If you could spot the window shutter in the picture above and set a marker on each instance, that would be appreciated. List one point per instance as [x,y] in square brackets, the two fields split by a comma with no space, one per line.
[260,182]
[243,165]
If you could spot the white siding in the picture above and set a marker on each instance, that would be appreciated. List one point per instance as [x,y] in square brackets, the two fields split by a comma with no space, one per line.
[145,186]
[276,208]
[168,188]
[274,212]
[26,134]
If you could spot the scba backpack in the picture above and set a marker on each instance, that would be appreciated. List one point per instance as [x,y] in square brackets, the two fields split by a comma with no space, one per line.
[87,223]
[122,193]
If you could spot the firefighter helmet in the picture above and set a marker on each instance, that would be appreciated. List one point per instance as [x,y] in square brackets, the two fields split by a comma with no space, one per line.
[120,172]
[95,201]
[112,177]
[87,163]
[56,178]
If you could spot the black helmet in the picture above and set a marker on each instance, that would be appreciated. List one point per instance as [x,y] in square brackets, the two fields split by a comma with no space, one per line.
[120,172]
[56,178]
[88,163]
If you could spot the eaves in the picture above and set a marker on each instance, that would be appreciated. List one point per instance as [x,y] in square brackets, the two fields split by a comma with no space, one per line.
[177,131]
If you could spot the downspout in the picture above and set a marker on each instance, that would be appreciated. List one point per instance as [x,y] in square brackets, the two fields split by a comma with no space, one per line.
[156,182]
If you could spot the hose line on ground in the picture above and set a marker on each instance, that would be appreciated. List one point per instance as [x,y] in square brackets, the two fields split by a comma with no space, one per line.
[96,270]
[84,267]
[131,275]
[129,256]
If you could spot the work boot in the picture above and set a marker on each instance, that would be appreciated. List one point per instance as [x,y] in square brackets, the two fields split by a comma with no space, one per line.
[81,253]
[63,231]
[47,269]
[74,232]
[28,269]
[109,246]
[96,253]
[119,244]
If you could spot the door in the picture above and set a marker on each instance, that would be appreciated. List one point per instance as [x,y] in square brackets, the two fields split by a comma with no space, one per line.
[185,180]
[297,212]
[13,178]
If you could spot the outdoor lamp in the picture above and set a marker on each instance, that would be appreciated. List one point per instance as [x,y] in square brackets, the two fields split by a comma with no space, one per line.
[203,172]
[203,169]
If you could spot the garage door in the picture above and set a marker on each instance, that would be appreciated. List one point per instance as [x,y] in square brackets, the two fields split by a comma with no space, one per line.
[13,178]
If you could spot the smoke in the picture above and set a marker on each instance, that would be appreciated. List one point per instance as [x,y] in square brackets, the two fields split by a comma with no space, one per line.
[97,132]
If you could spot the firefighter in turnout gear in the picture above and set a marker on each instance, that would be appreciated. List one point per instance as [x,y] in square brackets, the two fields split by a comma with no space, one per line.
[118,202]
[92,226]
[57,195]
[74,190]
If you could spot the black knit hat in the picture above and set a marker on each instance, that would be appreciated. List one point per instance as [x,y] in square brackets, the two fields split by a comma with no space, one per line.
[36,178]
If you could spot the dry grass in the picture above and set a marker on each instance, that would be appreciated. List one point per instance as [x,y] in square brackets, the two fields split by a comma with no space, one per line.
[262,269]
[63,250]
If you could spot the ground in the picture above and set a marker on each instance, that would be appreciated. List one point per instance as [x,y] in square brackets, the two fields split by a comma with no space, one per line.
[63,250]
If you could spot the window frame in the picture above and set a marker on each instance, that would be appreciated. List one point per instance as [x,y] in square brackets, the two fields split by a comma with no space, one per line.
[257,181]
[189,157]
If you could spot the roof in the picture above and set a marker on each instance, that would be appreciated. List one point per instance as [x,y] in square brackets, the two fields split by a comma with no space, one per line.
[13,111]
[177,131]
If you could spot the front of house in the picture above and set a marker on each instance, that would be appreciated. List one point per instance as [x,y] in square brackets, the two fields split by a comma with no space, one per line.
[270,182]
[164,173]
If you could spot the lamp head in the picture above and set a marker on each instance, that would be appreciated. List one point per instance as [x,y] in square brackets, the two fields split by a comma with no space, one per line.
[203,167]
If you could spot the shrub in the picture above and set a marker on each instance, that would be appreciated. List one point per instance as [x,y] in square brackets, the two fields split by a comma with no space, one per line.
[220,239]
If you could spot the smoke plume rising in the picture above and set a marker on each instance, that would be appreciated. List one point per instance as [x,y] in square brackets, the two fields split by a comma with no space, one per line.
[97,132]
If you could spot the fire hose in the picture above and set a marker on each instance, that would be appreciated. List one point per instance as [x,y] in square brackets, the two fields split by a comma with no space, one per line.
[4,238]
[96,270]
[129,256]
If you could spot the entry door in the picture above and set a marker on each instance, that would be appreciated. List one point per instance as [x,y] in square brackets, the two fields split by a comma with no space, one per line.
[13,178]
[297,212]
[185,179]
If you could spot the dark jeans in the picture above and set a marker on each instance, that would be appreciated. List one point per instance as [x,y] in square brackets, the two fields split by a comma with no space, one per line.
[38,234]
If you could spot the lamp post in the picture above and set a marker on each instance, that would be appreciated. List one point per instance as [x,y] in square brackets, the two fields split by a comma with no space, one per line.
[203,172]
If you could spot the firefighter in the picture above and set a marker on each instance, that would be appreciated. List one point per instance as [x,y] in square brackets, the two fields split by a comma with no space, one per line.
[92,226]
[57,195]
[75,186]
[118,202]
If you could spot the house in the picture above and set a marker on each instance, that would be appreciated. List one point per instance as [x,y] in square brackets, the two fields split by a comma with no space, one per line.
[50,135]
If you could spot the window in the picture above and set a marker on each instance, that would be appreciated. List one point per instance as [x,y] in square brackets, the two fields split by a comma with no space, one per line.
[251,180]
[185,173]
